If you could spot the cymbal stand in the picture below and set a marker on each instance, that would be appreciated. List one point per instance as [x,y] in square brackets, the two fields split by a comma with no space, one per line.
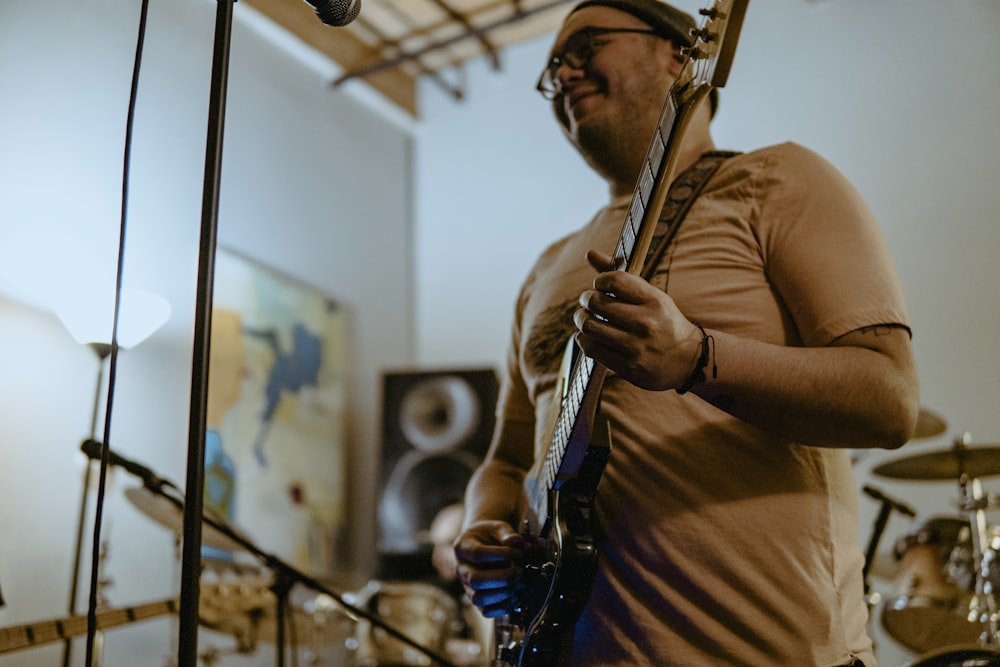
[286,576]
[973,502]
[282,586]
[888,505]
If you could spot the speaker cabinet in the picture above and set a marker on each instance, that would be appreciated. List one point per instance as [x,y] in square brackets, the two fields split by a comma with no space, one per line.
[436,427]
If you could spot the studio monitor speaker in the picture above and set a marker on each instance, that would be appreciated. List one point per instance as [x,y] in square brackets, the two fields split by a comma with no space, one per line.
[436,427]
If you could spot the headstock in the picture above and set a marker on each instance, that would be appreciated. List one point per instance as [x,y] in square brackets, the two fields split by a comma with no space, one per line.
[715,40]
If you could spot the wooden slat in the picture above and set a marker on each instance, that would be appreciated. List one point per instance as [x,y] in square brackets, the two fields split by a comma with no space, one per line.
[340,46]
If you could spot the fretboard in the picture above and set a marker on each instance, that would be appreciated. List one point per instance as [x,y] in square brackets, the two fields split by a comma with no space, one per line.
[629,254]
[30,635]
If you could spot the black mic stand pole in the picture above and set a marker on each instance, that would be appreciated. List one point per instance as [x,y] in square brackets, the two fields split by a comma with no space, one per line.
[187,651]
[102,350]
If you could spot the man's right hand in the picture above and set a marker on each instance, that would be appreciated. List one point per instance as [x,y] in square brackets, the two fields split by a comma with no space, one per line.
[489,553]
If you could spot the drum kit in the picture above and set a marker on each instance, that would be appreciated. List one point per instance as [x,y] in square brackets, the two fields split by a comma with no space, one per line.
[944,602]
[384,624]
[255,598]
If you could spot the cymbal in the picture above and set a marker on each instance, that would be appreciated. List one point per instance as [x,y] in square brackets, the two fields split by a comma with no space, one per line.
[167,514]
[929,424]
[947,464]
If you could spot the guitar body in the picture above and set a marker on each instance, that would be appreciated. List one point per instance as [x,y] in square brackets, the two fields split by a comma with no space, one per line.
[561,555]
[563,574]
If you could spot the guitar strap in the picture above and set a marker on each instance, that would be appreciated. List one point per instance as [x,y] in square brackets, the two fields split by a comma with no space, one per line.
[681,195]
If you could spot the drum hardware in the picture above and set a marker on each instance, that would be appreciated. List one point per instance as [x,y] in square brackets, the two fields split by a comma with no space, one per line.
[888,505]
[245,609]
[322,611]
[159,502]
[984,603]
[945,594]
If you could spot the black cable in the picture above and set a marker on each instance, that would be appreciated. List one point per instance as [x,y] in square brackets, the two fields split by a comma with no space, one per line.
[99,510]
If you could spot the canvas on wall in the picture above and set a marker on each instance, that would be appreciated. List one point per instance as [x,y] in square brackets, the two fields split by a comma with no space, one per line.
[275,448]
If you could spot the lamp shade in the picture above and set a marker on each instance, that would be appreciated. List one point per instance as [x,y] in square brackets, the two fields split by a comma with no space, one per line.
[89,316]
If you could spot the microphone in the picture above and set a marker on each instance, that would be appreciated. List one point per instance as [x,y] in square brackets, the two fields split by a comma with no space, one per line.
[336,12]
[92,448]
[895,504]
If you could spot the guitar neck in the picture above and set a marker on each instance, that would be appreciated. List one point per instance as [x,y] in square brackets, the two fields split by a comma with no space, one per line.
[35,634]
[630,251]
[706,67]
[658,170]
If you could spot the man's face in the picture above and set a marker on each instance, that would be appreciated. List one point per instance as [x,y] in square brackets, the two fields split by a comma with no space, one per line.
[620,91]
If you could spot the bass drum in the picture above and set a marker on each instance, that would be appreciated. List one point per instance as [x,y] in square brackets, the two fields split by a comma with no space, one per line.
[959,656]
[425,614]
[932,591]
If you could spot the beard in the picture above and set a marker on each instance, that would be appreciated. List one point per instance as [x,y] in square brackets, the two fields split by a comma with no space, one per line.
[613,140]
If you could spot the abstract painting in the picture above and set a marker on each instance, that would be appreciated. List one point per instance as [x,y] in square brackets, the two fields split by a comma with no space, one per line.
[275,449]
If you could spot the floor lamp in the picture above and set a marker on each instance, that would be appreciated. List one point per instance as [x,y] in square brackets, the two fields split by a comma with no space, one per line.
[141,313]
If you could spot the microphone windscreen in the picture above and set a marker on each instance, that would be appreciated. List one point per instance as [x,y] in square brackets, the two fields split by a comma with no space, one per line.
[338,12]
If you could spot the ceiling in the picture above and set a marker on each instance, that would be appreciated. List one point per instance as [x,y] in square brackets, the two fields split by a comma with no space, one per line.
[392,43]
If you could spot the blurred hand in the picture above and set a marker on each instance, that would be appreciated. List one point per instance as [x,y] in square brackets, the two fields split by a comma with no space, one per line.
[488,554]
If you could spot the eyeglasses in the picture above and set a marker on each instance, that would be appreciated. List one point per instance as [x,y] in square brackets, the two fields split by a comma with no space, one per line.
[577,52]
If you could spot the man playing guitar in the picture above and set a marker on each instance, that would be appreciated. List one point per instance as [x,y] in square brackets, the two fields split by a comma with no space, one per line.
[770,337]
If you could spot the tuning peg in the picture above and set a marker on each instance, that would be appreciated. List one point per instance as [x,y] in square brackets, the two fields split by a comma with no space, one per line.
[703,34]
[693,52]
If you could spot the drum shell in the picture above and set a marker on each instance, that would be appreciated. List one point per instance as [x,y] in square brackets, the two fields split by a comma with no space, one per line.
[932,596]
[425,613]
[959,656]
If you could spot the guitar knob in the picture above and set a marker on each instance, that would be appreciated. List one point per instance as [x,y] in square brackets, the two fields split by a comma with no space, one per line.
[703,34]
[693,52]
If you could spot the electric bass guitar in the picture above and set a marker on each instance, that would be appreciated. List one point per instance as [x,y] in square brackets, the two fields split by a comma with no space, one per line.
[30,635]
[561,554]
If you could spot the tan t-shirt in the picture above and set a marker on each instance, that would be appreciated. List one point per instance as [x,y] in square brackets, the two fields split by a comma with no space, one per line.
[720,544]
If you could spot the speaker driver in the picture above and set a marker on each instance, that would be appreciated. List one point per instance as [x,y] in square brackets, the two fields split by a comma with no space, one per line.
[421,485]
[439,413]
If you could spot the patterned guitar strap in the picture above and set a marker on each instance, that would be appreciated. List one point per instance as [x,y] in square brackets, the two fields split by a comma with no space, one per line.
[681,195]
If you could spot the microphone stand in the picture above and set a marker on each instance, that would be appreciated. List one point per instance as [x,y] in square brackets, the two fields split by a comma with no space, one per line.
[187,652]
[192,507]
[102,350]
[888,505]
[285,576]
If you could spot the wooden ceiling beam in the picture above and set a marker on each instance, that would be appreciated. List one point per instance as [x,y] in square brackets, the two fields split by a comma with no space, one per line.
[340,46]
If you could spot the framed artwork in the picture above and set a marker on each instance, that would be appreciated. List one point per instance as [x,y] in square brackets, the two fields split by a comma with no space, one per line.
[275,450]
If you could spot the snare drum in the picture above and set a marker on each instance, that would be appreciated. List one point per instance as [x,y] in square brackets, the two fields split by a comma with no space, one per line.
[959,656]
[422,612]
[932,592]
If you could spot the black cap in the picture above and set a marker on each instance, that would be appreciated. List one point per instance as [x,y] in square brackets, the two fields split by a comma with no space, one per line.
[667,21]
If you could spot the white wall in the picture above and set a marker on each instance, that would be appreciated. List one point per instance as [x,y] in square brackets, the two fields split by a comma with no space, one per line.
[901,95]
[314,183]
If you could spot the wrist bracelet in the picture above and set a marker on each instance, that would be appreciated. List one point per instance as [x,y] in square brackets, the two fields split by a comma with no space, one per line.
[698,374]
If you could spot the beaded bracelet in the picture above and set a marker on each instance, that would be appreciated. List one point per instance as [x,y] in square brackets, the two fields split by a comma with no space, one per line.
[698,374]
